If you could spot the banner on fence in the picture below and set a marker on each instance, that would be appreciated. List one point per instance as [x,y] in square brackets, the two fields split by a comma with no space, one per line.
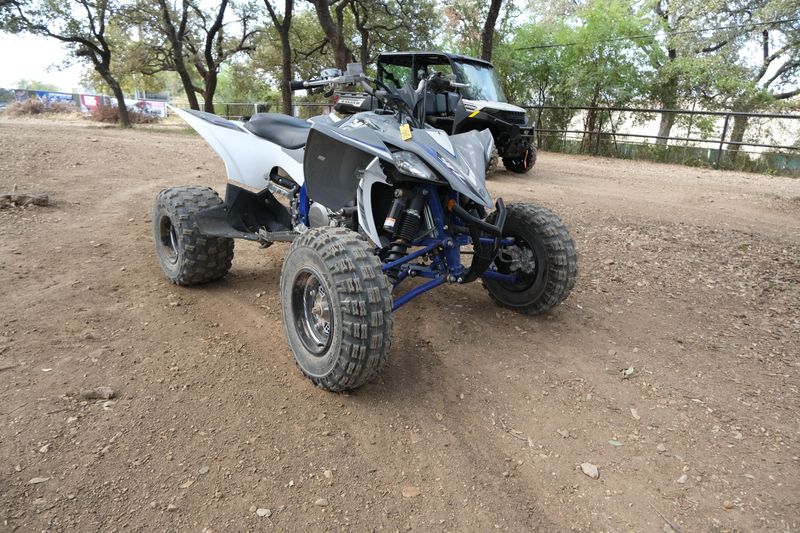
[90,102]
[47,97]
[148,107]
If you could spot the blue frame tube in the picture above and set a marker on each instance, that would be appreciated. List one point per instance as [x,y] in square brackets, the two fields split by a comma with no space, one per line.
[508,241]
[410,257]
[416,291]
[497,276]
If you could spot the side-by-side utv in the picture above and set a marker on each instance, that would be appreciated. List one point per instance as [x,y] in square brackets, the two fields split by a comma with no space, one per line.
[482,96]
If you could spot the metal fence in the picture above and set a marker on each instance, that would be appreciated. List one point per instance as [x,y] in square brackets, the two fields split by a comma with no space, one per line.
[702,138]
[243,110]
[771,141]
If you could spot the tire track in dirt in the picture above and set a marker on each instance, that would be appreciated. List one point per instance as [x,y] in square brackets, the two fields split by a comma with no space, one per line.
[706,315]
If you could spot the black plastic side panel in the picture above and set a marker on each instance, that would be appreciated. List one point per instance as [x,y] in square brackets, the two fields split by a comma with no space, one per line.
[248,211]
[332,169]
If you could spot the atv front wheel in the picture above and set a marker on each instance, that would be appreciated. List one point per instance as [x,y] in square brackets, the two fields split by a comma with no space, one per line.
[522,164]
[337,308]
[542,258]
[187,256]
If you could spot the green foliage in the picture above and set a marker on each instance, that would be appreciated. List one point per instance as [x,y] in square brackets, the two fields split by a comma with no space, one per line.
[566,52]
[35,85]
[242,81]
[592,62]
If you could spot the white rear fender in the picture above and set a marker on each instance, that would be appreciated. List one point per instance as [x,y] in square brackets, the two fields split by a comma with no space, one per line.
[248,159]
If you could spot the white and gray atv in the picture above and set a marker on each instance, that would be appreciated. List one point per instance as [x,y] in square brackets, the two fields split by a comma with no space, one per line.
[367,202]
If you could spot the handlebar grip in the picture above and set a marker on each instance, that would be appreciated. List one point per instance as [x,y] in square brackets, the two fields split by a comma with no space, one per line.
[297,85]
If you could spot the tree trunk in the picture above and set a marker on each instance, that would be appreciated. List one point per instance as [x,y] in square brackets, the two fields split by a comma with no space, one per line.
[122,109]
[591,122]
[487,35]
[342,53]
[588,137]
[286,71]
[669,100]
[102,68]
[737,134]
[188,86]
[664,128]
[175,36]
[333,30]
[210,89]
[364,48]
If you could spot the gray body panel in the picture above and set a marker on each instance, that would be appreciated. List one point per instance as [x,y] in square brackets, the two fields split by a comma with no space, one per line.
[459,159]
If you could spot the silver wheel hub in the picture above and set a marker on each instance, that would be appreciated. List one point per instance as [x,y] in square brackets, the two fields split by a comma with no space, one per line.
[313,311]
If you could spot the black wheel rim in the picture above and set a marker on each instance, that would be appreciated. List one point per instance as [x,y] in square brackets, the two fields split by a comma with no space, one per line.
[525,281]
[312,311]
[168,237]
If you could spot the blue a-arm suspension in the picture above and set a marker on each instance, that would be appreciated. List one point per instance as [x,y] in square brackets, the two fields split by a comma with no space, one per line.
[445,252]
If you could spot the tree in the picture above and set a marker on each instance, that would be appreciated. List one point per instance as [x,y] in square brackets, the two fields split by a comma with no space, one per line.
[211,47]
[35,85]
[775,76]
[687,42]
[581,58]
[193,41]
[392,25]
[487,35]
[282,26]
[175,26]
[333,27]
[81,24]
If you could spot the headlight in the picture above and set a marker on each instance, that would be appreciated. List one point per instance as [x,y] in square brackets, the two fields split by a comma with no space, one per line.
[410,164]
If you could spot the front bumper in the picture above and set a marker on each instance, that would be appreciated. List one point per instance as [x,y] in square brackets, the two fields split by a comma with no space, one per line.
[485,249]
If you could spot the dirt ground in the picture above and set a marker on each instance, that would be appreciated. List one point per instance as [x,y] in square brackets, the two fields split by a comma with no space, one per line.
[481,420]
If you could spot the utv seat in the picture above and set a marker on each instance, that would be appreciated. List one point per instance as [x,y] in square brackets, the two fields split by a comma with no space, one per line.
[283,130]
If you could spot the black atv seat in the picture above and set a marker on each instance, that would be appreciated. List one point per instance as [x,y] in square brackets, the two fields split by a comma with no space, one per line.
[283,130]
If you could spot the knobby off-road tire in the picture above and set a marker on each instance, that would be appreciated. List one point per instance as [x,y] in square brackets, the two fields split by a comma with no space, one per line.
[337,308]
[187,256]
[554,262]
[491,166]
[523,164]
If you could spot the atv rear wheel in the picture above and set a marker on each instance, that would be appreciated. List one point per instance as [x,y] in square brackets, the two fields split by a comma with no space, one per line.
[522,164]
[543,258]
[187,256]
[337,308]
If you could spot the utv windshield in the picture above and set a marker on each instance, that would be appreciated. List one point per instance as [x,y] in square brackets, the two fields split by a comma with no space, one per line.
[410,68]
[483,84]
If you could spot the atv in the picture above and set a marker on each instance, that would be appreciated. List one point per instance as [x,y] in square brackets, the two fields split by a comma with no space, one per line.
[483,99]
[367,203]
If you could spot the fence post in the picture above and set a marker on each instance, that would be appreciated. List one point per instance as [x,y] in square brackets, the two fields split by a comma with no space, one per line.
[722,141]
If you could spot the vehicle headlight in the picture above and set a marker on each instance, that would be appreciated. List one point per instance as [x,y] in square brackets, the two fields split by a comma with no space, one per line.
[410,164]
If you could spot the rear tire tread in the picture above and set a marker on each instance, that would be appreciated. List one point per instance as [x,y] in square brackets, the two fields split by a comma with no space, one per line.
[202,258]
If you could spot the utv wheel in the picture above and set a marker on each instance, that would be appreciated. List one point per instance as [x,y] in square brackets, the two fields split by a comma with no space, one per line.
[522,164]
[491,167]
[337,308]
[187,256]
[543,258]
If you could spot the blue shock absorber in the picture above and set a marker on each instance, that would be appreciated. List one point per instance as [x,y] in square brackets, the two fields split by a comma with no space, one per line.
[452,249]
[303,206]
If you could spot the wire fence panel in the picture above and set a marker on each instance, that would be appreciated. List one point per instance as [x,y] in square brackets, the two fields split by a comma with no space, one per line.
[758,142]
[762,142]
